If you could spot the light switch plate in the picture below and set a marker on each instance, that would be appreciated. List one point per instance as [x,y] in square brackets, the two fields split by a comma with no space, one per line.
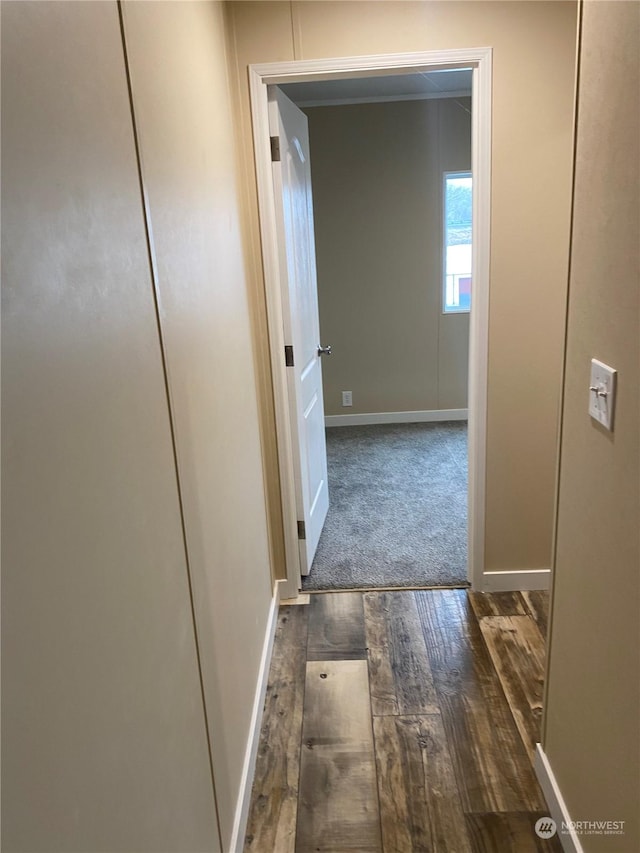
[602,393]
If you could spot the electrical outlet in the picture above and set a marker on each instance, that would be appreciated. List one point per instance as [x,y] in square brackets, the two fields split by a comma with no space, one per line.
[602,393]
[347,398]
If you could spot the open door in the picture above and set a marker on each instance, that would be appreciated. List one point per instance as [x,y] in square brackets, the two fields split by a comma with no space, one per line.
[294,207]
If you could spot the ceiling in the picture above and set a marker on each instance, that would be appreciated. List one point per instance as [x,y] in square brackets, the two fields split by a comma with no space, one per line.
[428,84]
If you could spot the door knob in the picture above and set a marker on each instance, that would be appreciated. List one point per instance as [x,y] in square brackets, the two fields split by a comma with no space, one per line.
[324,350]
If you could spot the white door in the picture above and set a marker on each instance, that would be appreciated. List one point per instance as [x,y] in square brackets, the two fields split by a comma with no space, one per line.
[292,181]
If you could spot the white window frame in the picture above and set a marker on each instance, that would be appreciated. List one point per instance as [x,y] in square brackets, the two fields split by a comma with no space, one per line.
[465,173]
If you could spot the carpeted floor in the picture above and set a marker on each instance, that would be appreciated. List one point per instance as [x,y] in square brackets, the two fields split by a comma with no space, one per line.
[398,511]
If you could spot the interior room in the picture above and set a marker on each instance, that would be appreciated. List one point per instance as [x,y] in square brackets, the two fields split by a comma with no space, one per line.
[388,154]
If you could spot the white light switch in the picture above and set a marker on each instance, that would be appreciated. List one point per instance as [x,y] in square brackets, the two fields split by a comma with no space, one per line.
[602,393]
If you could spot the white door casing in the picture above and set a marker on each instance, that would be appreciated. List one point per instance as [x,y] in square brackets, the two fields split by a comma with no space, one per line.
[261,78]
[294,214]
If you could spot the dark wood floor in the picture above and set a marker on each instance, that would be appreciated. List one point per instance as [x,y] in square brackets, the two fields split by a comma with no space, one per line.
[402,721]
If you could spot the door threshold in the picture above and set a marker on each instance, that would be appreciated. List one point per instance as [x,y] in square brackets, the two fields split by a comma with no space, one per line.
[465,585]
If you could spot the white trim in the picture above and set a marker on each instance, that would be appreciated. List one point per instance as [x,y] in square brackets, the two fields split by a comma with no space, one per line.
[447,312]
[383,99]
[344,67]
[262,75]
[479,317]
[555,801]
[271,269]
[524,580]
[425,416]
[248,770]
[300,599]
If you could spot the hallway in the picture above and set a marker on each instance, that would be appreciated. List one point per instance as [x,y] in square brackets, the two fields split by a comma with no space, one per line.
[400,721]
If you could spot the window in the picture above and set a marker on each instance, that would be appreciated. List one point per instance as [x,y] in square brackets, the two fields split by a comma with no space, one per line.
[457,193]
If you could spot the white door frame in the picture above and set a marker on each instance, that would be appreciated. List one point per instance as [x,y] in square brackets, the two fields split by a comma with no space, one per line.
[263,75]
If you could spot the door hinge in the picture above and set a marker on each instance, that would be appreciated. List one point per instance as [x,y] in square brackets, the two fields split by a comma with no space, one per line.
[288,356]
[275,149]
[302,531]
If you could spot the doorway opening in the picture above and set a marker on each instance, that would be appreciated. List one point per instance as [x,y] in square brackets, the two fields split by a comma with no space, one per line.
[369,425]
[390,162]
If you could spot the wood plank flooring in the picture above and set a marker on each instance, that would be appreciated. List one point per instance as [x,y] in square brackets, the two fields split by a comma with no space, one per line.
[274,806]
[336,627]
[402,721]
[516,645]
[399,670]
[419,803]
[337,806]
[492,767]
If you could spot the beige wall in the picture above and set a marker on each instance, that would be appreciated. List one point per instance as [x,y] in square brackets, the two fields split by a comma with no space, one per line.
[377,195]
[104,742]
[183,113]
[534,56]
[592,728]
[104,739]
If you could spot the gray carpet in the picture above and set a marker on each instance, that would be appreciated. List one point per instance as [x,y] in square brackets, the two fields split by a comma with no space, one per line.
[398,508]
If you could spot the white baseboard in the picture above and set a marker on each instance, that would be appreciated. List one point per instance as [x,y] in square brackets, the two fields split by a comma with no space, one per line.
[248,770]
[557,806]
[525,580]
[397,417]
